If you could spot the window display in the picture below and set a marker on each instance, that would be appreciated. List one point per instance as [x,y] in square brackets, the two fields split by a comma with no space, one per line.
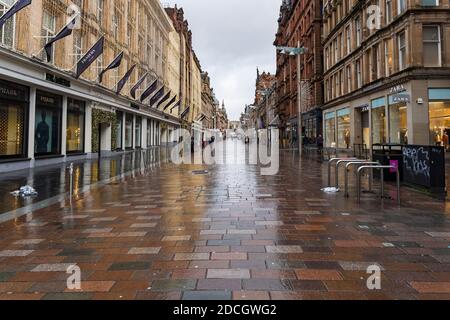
[13,114]
[330,129]
[440,123]
[398,123]
[75,126]
[379,121]
[343,119]
[48,124]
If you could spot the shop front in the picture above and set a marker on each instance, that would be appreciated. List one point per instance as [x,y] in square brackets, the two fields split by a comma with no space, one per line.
[312,126]
[14,106]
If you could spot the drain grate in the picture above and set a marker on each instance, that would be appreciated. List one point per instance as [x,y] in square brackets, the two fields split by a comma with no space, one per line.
[200,172]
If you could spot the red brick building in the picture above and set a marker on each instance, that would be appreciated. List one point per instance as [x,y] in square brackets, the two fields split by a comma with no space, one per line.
[264,83]
[300,23]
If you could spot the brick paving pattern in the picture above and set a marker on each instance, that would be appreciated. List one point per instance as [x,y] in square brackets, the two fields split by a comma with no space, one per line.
[231,234]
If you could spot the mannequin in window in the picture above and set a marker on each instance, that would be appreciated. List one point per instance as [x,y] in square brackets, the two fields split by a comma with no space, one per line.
[42,135]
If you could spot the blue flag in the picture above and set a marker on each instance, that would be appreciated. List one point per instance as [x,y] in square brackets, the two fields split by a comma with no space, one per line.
[167,96]
[113,65]
[157,96]
[149,90]
[175,105]
[66,31]
[19,5]
[124,80]
[90,56]
[170,103]
[137,85]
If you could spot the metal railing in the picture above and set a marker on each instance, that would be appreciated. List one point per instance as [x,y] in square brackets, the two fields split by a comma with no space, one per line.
[338,163]
[381,168]
[330,163]
[358,163]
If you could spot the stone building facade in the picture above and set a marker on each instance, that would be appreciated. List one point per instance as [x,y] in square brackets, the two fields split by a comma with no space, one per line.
[264,84]
[47,114]
[386,80]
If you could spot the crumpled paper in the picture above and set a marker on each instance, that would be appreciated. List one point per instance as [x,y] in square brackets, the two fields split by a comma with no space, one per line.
[330,190]
[24,192]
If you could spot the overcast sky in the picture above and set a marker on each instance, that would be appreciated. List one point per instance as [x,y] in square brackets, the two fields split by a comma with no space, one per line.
[231,38]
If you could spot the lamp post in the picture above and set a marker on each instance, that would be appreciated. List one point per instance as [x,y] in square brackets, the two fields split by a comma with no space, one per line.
[299,51]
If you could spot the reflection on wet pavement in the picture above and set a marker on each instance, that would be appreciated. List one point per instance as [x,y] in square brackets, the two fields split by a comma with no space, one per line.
[166,233]
[52,181]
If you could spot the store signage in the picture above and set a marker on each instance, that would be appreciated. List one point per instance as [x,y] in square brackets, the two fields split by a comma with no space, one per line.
[364,108]
[90,56]
[58,80]
[14,92]
[401,97]
[48,100]
[397,89]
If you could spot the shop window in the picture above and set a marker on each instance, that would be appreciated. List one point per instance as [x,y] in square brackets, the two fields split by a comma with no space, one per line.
[7,32]
[75,126]
[13,115]
[440,123]
[330,129]
[431,46]
[138,132]
[398,123]
[129,131]
[379,121]
[48,124]
[343,124]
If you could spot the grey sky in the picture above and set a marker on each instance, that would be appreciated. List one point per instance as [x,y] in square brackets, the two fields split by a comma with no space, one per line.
[232,38]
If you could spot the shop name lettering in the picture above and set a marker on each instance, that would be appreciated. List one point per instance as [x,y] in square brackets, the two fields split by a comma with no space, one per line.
[9,92]
[416,161]
[48,100]
[89,56]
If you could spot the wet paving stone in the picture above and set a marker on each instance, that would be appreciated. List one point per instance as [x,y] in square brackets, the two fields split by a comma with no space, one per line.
[173,285]
[207,295]
[231,234]
[135,265]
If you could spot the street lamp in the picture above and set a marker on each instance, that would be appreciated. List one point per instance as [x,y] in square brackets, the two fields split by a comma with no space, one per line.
[299,51]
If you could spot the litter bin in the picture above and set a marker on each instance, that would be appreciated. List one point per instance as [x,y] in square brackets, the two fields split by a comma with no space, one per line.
[388,155]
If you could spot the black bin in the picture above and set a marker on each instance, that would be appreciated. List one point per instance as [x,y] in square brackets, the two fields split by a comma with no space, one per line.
[424,167]
[387,155]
